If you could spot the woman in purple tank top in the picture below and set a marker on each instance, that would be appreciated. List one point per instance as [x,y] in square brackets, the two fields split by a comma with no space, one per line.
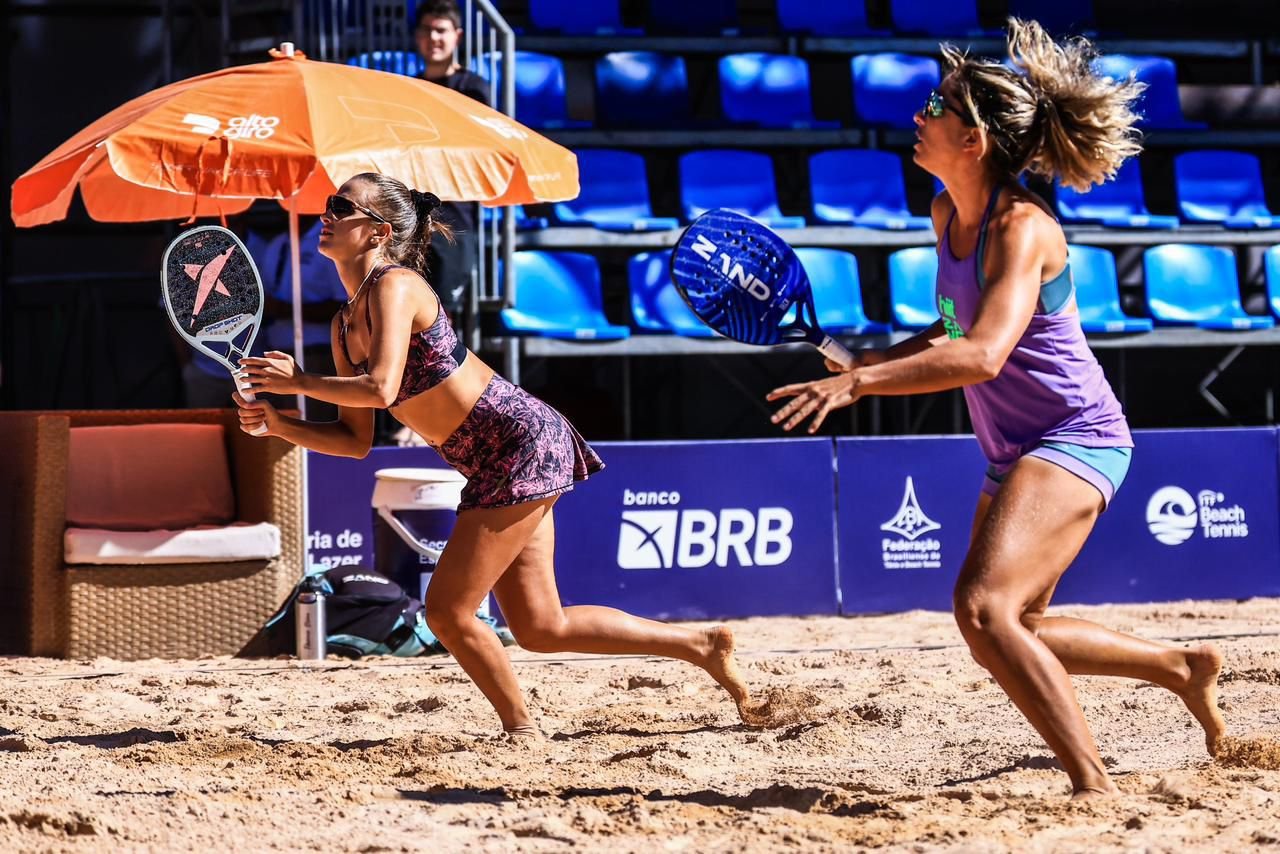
[394,348]
[1043,413]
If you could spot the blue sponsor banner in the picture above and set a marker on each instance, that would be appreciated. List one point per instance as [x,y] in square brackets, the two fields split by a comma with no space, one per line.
[1197,517]
[703,530]
[340,492]
[905,510]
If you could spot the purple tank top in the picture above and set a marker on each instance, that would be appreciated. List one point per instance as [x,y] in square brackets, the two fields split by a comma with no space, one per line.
[1051,388]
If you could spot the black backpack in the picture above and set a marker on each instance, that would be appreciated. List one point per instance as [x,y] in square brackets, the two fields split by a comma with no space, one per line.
[366,613]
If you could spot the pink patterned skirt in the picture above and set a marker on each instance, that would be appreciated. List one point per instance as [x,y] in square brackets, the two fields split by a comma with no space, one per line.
[514,448]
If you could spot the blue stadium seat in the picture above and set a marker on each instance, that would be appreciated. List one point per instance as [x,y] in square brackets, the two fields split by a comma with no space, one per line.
[1098,292]
[407,62]
[641,89]
[860,186]
[1223,187]
[739,180]
[825,19]
[1060,17]
[1196,285]
[949,18]
[767,90]
[558,296]
[1119,203]
[614,194]
[524,222]
[540,95]
[575,18]
[1159,104]
[837,292]
[701,17]
[656,305]
[1271,261]
[889,88]
[913,281]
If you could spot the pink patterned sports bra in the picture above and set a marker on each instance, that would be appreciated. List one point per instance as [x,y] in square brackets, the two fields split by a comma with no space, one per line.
[434,353]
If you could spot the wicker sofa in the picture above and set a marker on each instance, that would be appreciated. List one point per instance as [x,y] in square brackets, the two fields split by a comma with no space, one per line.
[50,608]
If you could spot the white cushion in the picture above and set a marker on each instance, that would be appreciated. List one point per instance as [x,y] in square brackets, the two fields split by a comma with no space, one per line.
[205,544]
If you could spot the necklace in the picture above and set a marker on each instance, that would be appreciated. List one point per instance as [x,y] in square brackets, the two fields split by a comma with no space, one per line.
[362,284]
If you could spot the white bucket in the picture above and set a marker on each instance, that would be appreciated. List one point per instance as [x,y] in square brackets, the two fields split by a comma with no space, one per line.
[414,513]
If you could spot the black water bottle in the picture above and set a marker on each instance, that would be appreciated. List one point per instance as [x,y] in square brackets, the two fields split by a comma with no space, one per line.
[308,610]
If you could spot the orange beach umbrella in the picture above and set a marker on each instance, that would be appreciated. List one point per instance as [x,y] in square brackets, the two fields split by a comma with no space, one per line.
[289,129]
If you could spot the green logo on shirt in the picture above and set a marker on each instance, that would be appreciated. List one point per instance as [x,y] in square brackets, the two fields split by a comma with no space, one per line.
[947,308]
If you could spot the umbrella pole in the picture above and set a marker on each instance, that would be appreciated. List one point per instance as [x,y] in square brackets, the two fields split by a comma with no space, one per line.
[295,264]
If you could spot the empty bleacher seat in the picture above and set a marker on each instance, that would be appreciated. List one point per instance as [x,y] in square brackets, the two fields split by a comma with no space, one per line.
[837,292]
[1098,292]
[863,187]
[1196,285]
[558,296]
[540,92]
[1271,264]
[1119,203]
[524,222]
[946,18]
[888,88]
[641,89]
[767,90]
[701,17]
[575,18]
[913,281]
[739,180]
[825,19]
[614,194]
[407,62]
[1223,187]
[1060,17]
[1159,104]
[656,305]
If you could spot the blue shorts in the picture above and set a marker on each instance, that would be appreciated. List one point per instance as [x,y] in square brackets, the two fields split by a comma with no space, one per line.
[1105,468]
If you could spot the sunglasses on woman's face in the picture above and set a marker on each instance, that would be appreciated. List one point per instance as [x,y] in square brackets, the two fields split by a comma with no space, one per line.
[340,207]
[935,107]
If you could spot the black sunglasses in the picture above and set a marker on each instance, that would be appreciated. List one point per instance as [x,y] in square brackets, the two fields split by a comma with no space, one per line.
[340,207]
[935,106]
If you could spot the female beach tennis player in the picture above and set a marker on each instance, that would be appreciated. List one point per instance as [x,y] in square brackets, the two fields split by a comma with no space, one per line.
[395,348]
[1045,417]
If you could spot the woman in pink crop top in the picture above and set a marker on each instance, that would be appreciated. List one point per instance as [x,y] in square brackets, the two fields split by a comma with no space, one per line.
[1009,334]
[394,348]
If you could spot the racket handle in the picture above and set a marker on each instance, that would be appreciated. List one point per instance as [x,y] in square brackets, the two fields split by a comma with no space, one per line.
[836,352]
[246,392]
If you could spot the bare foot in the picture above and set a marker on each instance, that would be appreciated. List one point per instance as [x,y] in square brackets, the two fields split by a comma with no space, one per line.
[527,734]
[1092,794]
[1201,693]
[722,666]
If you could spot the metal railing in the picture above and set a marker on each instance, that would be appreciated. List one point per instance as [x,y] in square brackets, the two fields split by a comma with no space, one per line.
[337,30]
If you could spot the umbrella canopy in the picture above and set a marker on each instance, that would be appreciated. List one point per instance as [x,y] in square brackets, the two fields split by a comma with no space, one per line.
[294,130]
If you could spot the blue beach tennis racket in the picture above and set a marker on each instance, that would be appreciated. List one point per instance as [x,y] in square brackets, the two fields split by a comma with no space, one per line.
[742,280]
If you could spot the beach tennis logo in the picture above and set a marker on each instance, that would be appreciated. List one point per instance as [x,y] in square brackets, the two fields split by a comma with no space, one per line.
[909,525]
[1173,516]
[238,127]
[691,538]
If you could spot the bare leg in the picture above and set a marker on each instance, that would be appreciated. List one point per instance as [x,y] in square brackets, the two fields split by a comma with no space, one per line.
[510,551]
[1032,531]
[531,603]
[483,544]
[1088,649]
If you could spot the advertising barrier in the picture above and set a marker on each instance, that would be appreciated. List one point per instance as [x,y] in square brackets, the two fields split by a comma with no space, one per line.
[709,530]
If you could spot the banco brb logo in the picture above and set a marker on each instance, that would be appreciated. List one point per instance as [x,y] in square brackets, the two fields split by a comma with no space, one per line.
[690,538]
[1171,515]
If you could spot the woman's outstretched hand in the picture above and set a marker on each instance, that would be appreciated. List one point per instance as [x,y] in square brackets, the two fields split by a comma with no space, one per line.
[861,358]
[815,398]
[257,413]
[274,371]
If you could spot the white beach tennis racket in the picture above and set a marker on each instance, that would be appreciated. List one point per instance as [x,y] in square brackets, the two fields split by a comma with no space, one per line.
[213,294]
